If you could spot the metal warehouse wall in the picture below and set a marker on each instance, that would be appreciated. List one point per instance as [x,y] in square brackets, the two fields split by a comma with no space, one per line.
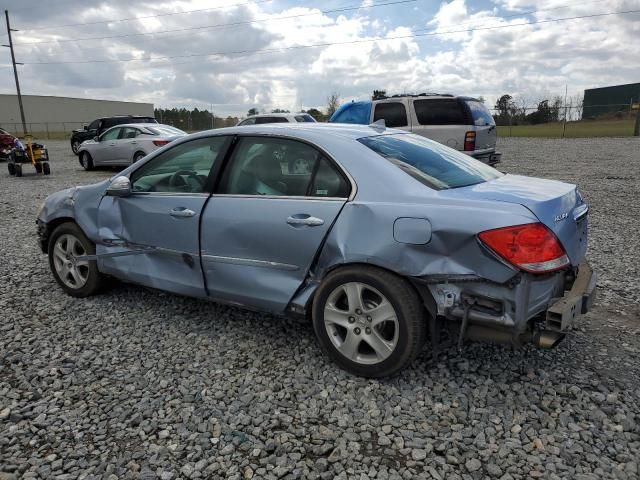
[617,98]
[45,113]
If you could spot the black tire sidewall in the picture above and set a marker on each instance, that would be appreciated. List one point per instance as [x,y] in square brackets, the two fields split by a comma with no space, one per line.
[94,281]
[403,353]
[86,161]
[138,156]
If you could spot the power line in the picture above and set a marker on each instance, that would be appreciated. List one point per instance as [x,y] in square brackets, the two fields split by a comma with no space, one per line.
[326,44]
[128,19]
[206,27]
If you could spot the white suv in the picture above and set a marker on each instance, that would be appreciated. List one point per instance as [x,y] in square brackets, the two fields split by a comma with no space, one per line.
[463,123]
[277,118]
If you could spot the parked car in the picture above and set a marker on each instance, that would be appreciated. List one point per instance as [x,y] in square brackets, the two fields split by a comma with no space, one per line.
[372,233]
[7,144]
[277,118]
[126,144]
[97,127]
[463,123]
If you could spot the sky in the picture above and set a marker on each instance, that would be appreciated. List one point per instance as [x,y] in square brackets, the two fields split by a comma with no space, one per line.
[232,55]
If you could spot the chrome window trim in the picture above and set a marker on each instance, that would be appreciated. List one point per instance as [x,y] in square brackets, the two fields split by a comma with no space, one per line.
[169,194]
[282,197]
[249,262]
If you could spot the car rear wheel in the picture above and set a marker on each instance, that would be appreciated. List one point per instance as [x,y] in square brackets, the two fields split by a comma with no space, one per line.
[12,169]
[86,161]
[369,321]
[79,278]
[138,156]
[75,146]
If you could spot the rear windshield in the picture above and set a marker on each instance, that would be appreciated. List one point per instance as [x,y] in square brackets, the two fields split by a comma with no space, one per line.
[260,120]
[481,115]
[165,130]
[354,113]
[431,163]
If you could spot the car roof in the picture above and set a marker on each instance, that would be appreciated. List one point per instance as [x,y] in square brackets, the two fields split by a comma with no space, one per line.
[280,114]
[142,125]
[307,131]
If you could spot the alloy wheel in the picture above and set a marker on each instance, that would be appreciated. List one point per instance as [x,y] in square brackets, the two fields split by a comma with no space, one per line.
[73,273]
[361,323]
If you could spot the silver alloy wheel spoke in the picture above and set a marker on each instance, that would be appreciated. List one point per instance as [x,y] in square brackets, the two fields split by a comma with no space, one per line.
[384,311]
[73,274]
[361,323]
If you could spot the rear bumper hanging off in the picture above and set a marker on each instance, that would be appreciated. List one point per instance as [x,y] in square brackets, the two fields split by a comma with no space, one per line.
[577,301]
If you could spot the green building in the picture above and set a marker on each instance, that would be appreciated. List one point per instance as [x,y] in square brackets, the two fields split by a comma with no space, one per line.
[608,100]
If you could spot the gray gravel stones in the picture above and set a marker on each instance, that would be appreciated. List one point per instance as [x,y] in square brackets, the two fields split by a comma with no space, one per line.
[139,384]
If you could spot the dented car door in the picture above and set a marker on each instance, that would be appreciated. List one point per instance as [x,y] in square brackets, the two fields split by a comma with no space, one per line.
[158,223]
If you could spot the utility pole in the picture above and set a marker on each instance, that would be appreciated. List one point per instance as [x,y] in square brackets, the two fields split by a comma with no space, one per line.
[15,71]
[213,118]
[564,123]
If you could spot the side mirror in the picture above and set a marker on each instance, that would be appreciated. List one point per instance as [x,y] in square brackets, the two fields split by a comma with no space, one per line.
[96,138]
[86,127]
[120,187]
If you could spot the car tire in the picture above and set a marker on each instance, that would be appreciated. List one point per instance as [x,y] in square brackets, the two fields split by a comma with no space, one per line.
[86,161]
[12,169]
[46,169]
[77,279]
[38,167]
[75,146]
[138,156]
[18,170]
[378,335]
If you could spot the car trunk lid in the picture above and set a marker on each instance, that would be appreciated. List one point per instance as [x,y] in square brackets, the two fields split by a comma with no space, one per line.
[557,205]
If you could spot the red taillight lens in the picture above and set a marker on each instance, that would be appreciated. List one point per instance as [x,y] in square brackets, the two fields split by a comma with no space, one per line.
[159,143]
[531,247]
[469,141]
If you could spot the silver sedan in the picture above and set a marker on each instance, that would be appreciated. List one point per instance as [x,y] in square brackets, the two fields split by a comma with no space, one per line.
[126,144]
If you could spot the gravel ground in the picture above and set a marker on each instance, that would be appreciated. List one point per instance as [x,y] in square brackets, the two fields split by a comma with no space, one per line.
[135,383]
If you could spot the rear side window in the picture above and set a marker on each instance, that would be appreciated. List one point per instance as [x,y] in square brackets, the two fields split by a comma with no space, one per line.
[248,121]
[431,163]
[143,120]
[439,112]
[394,114]
[260,120]
[480,114]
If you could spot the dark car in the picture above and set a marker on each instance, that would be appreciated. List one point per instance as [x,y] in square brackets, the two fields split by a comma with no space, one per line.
[95,128]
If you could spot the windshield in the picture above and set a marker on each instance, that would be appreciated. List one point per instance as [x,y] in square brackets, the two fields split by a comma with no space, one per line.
[165,130]
[431,163]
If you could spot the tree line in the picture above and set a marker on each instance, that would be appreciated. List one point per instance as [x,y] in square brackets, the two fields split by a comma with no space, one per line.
[522,110]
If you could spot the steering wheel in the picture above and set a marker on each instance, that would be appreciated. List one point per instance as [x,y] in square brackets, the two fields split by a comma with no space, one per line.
[192,182]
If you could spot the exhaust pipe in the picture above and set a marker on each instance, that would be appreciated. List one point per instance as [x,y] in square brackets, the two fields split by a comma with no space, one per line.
[547,339]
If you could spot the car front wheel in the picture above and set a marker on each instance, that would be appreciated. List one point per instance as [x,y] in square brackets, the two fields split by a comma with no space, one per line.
[369,321]
[77,277]
[86,161]
[75,146]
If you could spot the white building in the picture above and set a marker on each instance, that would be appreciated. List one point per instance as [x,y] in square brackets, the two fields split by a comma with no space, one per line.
[61,114]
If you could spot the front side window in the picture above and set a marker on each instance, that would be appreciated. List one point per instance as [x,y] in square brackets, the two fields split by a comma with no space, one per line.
[439,112]
[305,118]
[393,113]
[110,134]
[281,167]
[94,125]
[431,163]
[182,169]
[248,121]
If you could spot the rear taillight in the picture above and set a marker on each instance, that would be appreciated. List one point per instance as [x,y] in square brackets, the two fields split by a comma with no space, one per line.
[531,247]
[469,141]
[160,143]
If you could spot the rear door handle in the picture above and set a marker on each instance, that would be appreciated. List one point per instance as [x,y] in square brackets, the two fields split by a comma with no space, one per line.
[133,142]
[182,212]
[305,220]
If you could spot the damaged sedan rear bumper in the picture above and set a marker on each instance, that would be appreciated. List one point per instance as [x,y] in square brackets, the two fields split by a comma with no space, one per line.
[529,308]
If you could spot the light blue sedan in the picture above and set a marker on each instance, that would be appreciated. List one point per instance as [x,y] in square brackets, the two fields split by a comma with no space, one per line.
[379,236]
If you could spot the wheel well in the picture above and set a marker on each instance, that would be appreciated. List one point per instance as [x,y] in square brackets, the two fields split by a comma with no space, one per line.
[51,226]
[423,292]
[136,154]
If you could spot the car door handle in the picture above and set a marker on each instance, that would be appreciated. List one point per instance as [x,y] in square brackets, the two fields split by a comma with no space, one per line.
[133,142]
[182,212]
[112,144]
[304,219]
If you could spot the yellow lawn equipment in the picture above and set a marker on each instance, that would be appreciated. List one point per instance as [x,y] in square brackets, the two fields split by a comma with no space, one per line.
[33,153]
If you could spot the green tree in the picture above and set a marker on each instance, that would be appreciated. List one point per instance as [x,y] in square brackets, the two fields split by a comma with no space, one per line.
[333,101]
[378,94]
[252,111]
